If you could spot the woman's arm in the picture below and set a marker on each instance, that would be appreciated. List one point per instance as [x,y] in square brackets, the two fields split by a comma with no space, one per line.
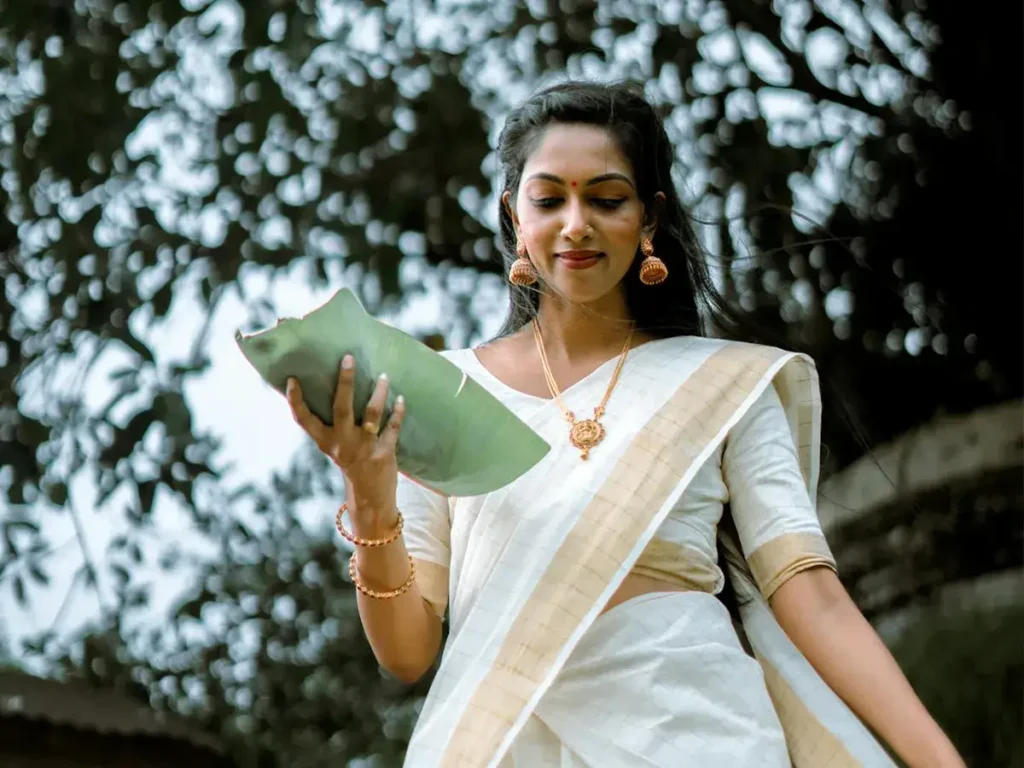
[822,620]
[404,633]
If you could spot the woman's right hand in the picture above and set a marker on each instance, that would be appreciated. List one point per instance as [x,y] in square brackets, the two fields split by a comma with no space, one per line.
[365,453]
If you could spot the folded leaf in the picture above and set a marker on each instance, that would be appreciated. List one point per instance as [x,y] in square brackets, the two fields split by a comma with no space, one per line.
[457,438]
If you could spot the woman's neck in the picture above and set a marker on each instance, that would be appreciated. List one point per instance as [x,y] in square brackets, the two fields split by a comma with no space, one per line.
[574,332]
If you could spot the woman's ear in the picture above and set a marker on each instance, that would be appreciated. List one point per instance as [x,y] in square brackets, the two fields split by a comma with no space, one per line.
[653,214]
[506,200]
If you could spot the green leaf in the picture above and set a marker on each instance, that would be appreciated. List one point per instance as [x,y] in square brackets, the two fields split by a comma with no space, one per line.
[457,438]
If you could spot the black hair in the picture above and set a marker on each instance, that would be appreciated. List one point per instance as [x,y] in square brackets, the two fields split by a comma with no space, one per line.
[688,303]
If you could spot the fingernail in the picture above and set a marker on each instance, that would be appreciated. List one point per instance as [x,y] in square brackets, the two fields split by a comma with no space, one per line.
[289,384]
[400,400]
[383,377]
[347,362]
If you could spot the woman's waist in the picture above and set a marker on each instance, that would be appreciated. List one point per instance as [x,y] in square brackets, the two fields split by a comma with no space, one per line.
[665,624]
[676,562]
[641,581]
[663,567]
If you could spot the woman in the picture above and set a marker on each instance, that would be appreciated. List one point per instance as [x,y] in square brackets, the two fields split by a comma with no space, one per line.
[584,624]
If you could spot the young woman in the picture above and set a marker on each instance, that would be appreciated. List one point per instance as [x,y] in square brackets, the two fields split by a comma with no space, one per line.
[584,624]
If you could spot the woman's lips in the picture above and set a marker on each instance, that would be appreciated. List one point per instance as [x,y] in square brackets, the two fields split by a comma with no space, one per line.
[580,259]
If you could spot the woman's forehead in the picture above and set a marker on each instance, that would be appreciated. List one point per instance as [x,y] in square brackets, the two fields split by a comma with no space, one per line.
[576,153]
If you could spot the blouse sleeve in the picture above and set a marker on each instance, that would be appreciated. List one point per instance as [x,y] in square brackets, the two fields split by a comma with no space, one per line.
[427,536]
[771,506]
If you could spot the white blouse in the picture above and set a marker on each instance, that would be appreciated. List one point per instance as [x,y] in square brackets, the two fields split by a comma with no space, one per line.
[755,472]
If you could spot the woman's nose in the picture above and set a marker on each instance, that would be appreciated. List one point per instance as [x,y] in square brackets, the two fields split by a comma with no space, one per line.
[576,226]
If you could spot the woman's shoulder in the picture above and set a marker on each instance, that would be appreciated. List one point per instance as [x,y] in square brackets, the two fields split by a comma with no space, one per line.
[728,348]
[672,346]
[493,351]
[456,355]
[464,359]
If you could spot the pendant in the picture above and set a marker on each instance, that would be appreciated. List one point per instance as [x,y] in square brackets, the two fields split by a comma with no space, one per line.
[585,435]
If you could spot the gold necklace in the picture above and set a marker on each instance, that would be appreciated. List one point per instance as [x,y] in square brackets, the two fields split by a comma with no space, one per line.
[587,433]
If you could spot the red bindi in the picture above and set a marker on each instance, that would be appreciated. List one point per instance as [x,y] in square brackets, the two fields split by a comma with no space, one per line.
[574,183]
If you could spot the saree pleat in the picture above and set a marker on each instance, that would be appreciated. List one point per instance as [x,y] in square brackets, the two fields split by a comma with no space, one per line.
[674,664]
[820,729]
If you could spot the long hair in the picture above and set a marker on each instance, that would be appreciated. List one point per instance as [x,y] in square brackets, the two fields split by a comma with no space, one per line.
[688,302]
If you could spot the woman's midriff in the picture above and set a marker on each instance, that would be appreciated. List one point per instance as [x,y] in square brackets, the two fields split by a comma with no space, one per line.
[636,584]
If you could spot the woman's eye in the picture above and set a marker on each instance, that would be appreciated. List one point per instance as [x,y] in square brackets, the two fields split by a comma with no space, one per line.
[608,202]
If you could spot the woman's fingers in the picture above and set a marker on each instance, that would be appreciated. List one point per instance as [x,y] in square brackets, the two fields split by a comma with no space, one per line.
[389,440]
[337,440]
[301,413]
[341,411]
[375,408]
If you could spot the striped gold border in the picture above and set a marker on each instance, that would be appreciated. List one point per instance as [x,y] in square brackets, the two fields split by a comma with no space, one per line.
[601,540]
[661,560]
[777,560]
[797,385]
[811,744]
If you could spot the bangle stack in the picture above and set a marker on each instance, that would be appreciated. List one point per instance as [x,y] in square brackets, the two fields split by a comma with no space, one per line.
[370,544]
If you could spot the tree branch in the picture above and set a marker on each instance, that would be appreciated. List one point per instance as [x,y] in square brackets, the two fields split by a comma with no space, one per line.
[760,19]
[91,572]
[876,42]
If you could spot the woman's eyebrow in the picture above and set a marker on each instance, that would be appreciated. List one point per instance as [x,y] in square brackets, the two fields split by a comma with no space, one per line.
[596,180]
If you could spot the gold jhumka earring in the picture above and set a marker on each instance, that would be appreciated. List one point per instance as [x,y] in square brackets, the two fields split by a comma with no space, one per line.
[652,269]
[522,271]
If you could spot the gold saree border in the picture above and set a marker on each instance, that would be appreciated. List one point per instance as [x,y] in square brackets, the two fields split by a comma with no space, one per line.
[605,534]
[779,559]
[661,560]
[797,386]
[810,743]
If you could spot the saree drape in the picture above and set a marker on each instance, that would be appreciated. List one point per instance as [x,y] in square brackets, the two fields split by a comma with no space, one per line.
[525,571]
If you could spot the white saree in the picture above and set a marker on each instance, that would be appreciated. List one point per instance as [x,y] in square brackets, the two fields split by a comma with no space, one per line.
[534,674]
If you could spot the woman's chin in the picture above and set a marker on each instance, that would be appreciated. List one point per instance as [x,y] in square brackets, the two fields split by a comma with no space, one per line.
[586,285]
[581,291]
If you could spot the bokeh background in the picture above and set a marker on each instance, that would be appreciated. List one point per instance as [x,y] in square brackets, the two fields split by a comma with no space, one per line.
[173,171]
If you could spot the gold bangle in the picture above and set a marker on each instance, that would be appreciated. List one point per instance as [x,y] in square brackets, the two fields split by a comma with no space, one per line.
[367,542]
[388,595]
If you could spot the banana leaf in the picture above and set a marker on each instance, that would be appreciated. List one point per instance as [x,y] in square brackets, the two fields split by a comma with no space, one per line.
[457,438]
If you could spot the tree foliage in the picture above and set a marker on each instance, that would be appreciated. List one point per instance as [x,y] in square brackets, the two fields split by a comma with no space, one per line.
[981,710]
[849,162]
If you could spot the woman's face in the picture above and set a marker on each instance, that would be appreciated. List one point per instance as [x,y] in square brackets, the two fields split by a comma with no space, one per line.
[577,211]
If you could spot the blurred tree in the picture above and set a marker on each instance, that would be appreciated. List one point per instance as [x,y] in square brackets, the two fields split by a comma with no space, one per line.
[267,653]
[850,161]
[981,704]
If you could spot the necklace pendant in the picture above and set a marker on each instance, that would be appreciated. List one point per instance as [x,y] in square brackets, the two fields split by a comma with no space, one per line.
[586,434]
